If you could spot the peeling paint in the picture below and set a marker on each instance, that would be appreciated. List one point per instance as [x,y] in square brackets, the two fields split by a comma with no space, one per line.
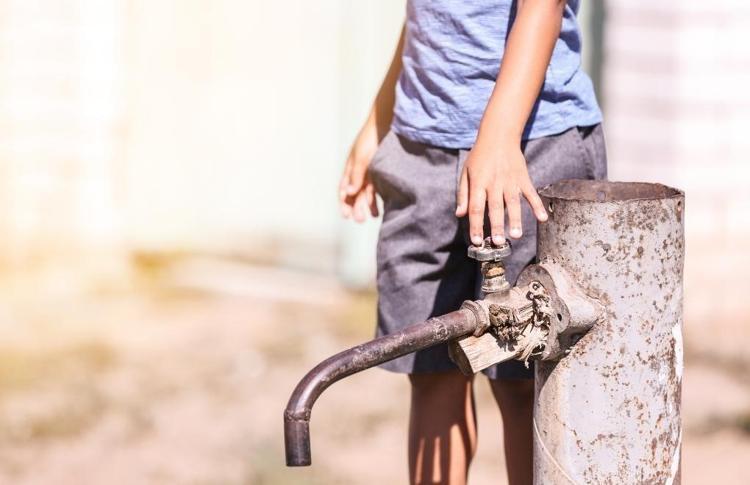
[609,412]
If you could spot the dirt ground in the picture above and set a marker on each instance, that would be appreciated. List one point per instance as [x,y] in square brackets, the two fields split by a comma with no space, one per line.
[182,379]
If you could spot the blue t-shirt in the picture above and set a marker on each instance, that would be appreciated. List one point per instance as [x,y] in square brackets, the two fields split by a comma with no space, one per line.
[451,59]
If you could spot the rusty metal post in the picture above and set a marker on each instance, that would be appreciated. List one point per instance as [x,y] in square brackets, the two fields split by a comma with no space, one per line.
[609,411]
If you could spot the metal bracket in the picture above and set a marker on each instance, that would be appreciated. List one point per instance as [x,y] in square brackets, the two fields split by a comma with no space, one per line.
[539,319]
[519,323]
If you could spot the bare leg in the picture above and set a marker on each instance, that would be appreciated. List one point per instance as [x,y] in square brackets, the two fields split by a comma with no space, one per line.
[442,428]
[515,397]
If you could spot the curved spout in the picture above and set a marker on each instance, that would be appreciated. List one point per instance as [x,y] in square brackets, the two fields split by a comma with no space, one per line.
[415,337]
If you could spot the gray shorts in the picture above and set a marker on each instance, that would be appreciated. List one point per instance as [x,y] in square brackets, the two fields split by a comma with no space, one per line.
[422,265]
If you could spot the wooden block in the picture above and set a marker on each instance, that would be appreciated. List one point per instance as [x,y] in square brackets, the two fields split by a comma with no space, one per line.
[472,354]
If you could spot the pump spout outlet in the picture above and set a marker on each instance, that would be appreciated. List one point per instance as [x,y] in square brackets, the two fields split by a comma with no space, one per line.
[415,337]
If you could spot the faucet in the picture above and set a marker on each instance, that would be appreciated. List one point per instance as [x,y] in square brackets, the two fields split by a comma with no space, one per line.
[600,313]
[527,321]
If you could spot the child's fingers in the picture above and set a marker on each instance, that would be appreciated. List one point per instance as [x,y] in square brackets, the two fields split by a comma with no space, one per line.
[345,205]
[372,201]
[357,178]
[477,202]
[497,216]
[534,201]
[514,213]
[344,183]
[360,207]
[462,198]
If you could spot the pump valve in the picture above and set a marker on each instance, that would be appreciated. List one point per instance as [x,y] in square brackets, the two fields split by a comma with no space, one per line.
[493,266]
[489,252]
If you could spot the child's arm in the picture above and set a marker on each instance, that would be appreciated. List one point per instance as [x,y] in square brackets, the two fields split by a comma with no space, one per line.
[356,193]
[495,173]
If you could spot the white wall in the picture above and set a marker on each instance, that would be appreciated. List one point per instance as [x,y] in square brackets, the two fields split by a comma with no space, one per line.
[239,117]
[60,109]
[676,75]
[184,125]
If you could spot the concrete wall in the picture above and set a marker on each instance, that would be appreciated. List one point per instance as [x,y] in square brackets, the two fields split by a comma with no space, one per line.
[196,126]
[240,115]
[60,144]
[675,88]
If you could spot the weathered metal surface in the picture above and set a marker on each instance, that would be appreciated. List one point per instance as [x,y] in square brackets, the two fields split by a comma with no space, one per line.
[574,312]
[412,338]
[609,411]
[540,318]
[515,327]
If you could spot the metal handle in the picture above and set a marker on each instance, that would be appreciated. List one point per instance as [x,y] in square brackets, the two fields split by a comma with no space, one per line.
[493,266]
[489,252]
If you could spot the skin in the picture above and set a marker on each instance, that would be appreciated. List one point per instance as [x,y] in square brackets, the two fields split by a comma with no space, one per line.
[495,173]
[442,425]
[356,192]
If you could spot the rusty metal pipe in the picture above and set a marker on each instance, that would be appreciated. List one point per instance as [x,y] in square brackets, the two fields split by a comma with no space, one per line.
[415,337]
[609,411]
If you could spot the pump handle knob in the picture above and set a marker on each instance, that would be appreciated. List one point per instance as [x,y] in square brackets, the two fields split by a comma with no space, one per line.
[489,252]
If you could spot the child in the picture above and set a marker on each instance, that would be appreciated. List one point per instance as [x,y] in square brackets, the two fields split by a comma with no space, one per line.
[483,101]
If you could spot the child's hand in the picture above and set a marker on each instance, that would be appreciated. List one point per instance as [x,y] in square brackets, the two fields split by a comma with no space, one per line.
[356,192]
[495,177]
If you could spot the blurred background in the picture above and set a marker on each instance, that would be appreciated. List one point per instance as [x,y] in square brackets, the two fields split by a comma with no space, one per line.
[172,260]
